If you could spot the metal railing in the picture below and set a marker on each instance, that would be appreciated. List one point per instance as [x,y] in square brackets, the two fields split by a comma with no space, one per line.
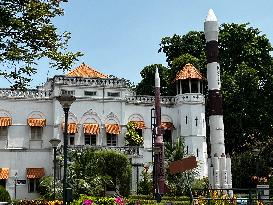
[232,196]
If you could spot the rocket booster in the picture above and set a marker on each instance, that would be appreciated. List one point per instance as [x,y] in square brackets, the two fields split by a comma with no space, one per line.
[220,166]
[159,154]
[214,85]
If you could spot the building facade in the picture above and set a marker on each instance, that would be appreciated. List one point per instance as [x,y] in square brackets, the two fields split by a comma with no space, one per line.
[98,117]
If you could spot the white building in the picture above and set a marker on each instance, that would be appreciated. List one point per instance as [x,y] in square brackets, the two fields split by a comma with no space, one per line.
[98,117]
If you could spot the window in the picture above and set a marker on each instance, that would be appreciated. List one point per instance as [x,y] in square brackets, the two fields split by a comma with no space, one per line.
[3,133]
[68,92]
[90,139]
[111,139]
[3,183]
[33,185]
[71,139]
[167,136]
[90,93]
[139,132]
[36,133]
[185,86]
[194,86]
[113,94]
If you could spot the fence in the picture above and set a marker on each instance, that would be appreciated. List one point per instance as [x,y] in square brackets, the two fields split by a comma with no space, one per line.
[262,195]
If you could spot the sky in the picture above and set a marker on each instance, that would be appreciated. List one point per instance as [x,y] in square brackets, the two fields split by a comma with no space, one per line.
[121,37]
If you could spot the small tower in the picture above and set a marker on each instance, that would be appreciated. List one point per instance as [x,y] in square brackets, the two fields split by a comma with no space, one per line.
[191,114]
[189,80]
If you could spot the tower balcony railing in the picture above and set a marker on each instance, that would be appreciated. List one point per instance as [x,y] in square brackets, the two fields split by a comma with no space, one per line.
[190,98]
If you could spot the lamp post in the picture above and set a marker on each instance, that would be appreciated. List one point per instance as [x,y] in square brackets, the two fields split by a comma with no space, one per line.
[54,143]
[256,153]
[65,101]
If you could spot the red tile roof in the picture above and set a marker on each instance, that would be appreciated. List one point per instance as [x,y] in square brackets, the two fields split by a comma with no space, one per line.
[189,71]
[86,71]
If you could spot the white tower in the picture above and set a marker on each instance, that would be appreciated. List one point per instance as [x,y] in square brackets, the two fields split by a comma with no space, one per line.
[191,114]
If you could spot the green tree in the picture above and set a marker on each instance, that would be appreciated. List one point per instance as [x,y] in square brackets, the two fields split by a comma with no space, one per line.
[27,35]
[178,184]
[147,84]
[91,171]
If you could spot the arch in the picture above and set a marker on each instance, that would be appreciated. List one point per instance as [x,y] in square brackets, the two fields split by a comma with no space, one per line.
[111,118]
[4,113]
[90,117]
[135,117]
[71,118]
[36,114]
[166,118]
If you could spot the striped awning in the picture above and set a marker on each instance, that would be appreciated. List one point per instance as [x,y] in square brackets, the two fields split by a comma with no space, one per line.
[5,121]
[167,126]
[35,173]
[112,128]
[72,128]
[4,173]
[36,122]
[91,128]
[139,124]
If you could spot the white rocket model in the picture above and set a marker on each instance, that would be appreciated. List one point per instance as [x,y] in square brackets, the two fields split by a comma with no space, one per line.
[219,165]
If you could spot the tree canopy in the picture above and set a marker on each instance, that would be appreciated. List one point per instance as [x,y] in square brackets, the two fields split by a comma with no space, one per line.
[27,34]
[246,75]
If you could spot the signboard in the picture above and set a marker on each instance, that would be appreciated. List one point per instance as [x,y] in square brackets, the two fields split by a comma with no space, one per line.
[183,165]
[263,191]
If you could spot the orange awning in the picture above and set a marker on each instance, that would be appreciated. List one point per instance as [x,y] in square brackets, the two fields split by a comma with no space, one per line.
[167,125]
[112,129]
[36,122]
[139,124]
[4,173]
[72,128]
[5,121]
[35,173]
[91,128]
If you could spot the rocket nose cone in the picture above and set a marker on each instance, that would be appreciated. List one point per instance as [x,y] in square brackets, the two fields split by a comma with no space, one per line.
[211,16]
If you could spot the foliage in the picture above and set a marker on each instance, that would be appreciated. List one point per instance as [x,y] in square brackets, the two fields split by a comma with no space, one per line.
[146,85]
[131,200]
[259,167]
[46,188]
[132,135]
[91,171]
[145,186]
[27,35]
[4,195]
[200,183]
[37,202]
[178,184]
[216,198]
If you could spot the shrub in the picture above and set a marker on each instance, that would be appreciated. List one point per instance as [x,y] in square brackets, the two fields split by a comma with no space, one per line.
[132,135]
[145,186]
[4,195]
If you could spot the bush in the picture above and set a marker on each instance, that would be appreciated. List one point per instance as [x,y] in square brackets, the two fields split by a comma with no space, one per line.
[145,186]
[4,195]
